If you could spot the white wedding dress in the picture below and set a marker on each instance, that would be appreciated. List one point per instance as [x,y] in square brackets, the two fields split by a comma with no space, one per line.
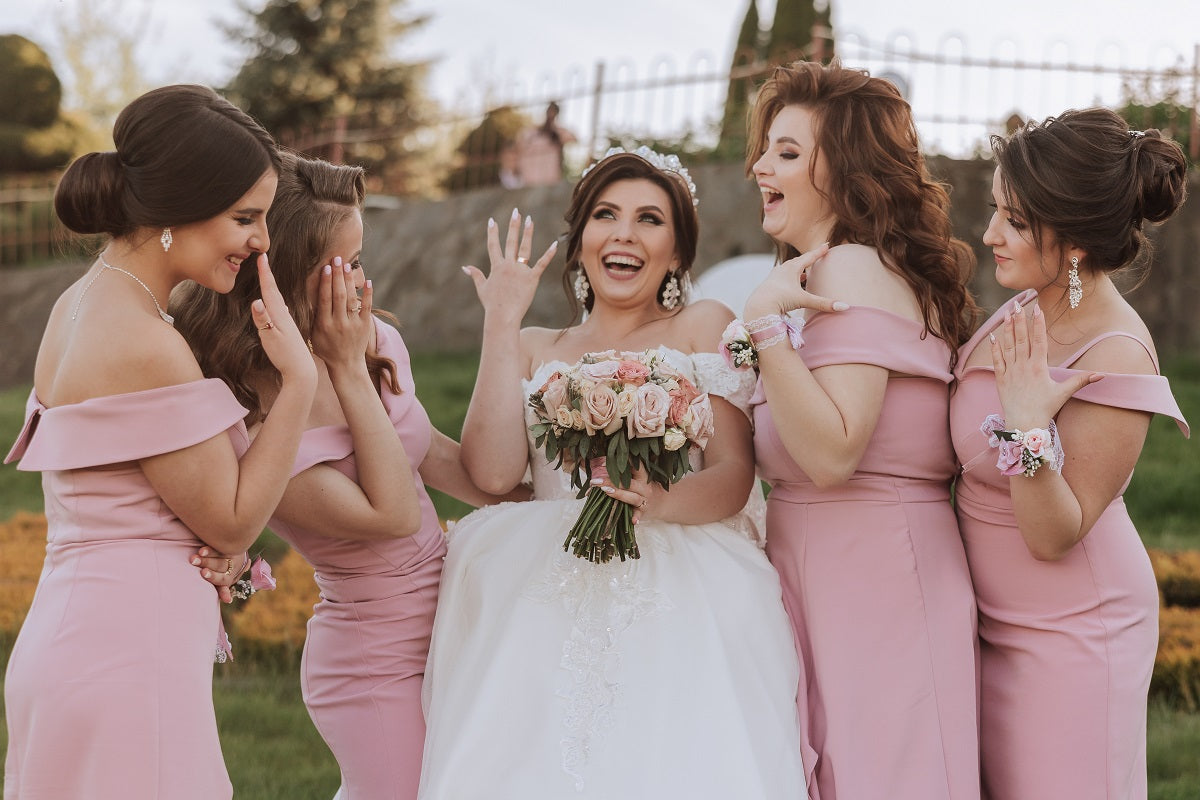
[670,676]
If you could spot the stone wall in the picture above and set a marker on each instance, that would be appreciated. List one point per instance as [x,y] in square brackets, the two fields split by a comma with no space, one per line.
[414,251]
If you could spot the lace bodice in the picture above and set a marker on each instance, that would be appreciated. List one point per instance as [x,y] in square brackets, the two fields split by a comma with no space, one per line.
[710,373]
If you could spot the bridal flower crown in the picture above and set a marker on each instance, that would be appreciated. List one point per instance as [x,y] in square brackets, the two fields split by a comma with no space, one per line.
[663,163]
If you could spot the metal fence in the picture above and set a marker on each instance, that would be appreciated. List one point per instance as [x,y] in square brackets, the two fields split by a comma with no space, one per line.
[959,98]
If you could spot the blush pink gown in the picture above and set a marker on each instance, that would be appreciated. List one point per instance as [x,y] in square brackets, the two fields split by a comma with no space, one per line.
[875,580]
[364,656]
[1066,647]
[109,688]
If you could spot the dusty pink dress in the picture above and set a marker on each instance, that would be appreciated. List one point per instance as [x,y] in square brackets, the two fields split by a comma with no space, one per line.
[364,658]
[109,688]
[1066,647]
[875,580]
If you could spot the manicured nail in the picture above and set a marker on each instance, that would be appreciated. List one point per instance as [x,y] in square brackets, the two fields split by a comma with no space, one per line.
[516,215]
[337,261]
[257,305]
[992,336]
[840,306]
[597,481]
[345,268]
[367,285]
[528,221]
[491,222]
[466,271]
[607,489]
[553,245]
[205,574]
[195,561]
[327,269]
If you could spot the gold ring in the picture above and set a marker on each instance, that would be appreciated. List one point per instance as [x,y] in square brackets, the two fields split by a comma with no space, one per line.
[523,260]
[358,308]
[268,326]
[643,503]
[228,565]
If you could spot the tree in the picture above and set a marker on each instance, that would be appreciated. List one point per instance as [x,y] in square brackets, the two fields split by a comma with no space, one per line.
[37,134]
[792,31]
[748,52]
[481,153]
[322,79]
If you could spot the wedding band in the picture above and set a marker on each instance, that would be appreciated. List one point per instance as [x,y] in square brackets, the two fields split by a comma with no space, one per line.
[643,503]
[228,565]
[267,326]
[523,260]
[358,308]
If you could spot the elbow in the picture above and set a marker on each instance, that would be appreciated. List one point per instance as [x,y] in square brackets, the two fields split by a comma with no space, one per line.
[1047,554]
[229,540]
[490,479]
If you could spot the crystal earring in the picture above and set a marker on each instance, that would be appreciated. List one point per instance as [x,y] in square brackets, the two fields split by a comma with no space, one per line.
[166,239]
[670,292]
[582,287]
[1074,285]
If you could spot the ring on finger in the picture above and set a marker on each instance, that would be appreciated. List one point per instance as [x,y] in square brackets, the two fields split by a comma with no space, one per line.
[643,503]
[228,565]
[266,327]
[523,260]
[357,308]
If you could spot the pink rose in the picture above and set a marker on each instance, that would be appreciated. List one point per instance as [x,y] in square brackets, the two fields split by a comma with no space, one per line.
[600,371]
[649,414]
[700,428]
[680,402]
[260,575]
[1036,442]
[633,373]
[600,410]
[554,394]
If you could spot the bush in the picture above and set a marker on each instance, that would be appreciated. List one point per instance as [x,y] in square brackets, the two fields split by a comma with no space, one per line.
[1178,575]
[1177,667]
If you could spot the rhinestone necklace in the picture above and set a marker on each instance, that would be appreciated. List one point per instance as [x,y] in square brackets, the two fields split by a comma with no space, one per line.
[167,318]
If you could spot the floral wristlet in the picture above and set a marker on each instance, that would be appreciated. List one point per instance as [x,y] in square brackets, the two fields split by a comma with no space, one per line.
[1023,452]
[741,341]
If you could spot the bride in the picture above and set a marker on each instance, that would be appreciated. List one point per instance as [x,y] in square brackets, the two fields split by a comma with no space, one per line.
[549,676]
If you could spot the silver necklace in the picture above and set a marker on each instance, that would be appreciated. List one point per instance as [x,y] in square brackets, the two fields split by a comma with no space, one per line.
[167,318]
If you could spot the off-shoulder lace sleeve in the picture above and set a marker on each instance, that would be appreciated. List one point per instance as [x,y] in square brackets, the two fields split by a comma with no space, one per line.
[714,376]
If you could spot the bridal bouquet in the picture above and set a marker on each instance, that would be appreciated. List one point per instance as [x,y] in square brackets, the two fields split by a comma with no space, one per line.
[634,411]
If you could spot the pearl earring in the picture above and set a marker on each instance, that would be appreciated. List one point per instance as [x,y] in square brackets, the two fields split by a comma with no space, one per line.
[670,293]
[582,287]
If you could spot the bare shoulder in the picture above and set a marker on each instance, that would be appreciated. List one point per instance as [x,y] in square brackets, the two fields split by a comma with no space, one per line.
[703,322]
[535,343]
[855,274]
[1121,355]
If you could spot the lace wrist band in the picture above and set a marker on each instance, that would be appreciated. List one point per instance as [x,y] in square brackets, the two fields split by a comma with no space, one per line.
[1023,452]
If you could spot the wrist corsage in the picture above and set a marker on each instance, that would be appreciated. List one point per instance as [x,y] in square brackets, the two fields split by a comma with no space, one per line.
[260,579]
[1023,452]
[741,341]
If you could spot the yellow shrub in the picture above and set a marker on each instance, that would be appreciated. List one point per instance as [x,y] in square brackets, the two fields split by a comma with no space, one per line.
[23,545]
[1177,665]
[1178,575]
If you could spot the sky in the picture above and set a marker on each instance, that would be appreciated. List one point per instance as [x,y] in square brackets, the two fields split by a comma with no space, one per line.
[481,49]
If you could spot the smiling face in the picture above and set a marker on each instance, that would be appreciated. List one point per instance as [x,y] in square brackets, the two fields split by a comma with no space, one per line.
[628,243]
[793,210]
[211,252]
[1020,263]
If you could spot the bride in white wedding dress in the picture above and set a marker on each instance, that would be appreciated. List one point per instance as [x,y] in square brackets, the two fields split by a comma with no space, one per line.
[670,676]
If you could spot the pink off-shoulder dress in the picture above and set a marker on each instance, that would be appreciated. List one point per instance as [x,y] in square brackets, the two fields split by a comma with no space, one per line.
[368,638]
[109,688]
[1066,647]
[875,580]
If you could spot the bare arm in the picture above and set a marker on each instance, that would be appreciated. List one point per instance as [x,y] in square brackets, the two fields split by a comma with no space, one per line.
[1056,510]
[443,470]
[825,417]
[494,450]
[224,501]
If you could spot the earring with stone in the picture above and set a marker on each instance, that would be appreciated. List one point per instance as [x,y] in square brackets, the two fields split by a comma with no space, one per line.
[1074,285]
[582,287]
[166,239]
[670,292]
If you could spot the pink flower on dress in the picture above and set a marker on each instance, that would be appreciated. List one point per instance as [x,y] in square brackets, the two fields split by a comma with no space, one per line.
[1037,442]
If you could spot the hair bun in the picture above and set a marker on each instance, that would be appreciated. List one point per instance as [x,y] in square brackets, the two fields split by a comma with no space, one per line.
[89,197]
[1161,175]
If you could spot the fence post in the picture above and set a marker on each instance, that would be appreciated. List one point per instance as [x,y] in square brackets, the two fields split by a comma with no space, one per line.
[597,96]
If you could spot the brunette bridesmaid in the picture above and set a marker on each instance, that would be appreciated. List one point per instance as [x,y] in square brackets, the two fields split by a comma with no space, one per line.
[1055,396]
[109,688]
[851,432]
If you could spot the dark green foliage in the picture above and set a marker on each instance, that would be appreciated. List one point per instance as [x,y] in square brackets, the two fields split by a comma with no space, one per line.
[791,31]
[30,92]
[478,156]
[732,144]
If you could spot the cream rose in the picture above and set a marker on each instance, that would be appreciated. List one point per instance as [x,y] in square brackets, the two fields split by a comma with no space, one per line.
[700,427]
[562,416]
[674,439]
[625,401]
[600,371]
[600,410]
[554,396]
[649,415]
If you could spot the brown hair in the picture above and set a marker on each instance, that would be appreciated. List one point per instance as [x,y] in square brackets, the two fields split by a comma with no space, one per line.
[1091,181]
[620,167]
[313,199]
[184,154]
[880,191]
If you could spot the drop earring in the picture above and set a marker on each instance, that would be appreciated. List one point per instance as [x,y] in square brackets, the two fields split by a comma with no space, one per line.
[670,292]
[582,287]
[166,239]
[1074,285]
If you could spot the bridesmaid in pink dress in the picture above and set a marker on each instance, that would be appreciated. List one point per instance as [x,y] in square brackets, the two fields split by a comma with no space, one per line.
[109,688]
[356,507]
[851,433]
[1068,605]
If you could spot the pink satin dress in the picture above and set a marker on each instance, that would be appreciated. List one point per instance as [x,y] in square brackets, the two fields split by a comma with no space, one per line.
[368,638]
[875,580]
[109,688]
[1066,647]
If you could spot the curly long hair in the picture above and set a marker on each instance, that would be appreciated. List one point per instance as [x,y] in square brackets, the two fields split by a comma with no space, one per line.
[879,189]
[313,199]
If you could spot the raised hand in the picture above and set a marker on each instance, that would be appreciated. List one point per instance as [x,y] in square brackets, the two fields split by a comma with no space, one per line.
[342,329]
[281,339]
[1030,397]
[783,290]
[511,282]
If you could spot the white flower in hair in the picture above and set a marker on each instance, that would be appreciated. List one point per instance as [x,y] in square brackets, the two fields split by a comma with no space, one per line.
[664,163]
